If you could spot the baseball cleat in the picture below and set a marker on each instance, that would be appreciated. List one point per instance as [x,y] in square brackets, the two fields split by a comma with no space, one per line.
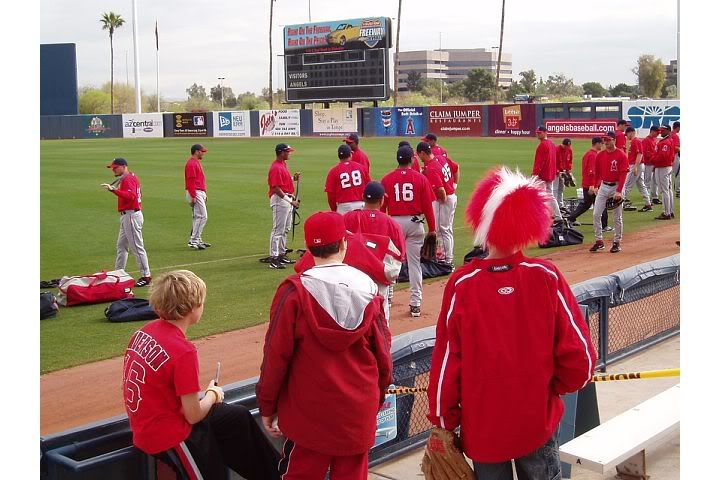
[608,229]
[275,263]
[663,216]
[615,247]
[646,208]
[656,201]
[205,244]
[415,310]
[284,259]
[196,246]
[143,282]
[599,245]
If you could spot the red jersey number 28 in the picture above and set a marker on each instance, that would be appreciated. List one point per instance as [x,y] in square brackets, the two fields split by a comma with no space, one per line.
[355,177]
[134,376]
[405,191]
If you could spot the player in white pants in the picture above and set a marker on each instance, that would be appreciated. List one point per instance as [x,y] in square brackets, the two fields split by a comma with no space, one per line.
[635,175]
[281,191]
[199,217]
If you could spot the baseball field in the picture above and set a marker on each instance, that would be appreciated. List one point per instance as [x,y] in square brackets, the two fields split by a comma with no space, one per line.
[79,222]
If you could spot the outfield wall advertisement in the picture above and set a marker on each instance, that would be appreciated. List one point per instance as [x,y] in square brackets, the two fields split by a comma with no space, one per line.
[643,114]
[399,121]
[456,120]
[334,121]
[279,123]
[591,127]
[511,120]
[231,124]
[100,126]
[142,125]
[190,124]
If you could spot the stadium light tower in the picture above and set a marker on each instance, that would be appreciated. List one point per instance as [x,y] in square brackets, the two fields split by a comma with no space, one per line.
[136,44]
[222,93]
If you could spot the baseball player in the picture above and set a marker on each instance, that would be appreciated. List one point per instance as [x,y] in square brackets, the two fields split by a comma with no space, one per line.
[676,166]
[663,172]
[160,390]
[620,140]
[611,172]
[564,157]
[510,339]
[126,188]
[326,362]
[441,154]
[439,174]
[408,197]
[588,180]
[358,156]
[636,173]
[345,183]
[196,195]
[282,202]
[545,168]
[415,165]
[649,149]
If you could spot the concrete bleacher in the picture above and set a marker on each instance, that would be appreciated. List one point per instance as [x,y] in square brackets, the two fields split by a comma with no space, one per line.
[614,398]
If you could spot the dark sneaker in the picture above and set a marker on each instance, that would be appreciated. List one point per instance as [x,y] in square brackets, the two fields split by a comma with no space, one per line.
[646,208]
[415,310]
[608,229]
[663,216]
[143,282]
[599,245]
[615,247]
[284,259]
[205,244]
[672,215]
[275,263]
[196,246]
[656,201]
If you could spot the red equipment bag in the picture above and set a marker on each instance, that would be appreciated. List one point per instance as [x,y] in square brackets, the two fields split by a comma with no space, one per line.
[97,288]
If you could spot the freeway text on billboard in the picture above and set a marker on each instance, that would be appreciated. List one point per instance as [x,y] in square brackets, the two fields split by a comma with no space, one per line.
[279,123]
[142,125]
[231,124]
[592,127]
[456,121]
[334,121]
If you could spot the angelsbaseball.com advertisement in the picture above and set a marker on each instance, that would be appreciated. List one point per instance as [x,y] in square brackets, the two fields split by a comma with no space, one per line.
[591,127]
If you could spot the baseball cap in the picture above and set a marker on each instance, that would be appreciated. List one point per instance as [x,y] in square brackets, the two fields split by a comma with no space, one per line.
[596,140]
[423,147]
[283,147]
[118,162]
[622,122]
[374,191]
[197,147]
[405,153]
[629,129]
[324,228]
[609,134]
[429,136]
[654,128]
[676,124]
[540,129]
[664,127]
[344,151]
[566,141]
[352,138]
[403,143]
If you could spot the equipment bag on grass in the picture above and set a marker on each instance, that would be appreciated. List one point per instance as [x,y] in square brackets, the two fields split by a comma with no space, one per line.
[563,235]
[97,288]
[48,305]
[130,310]
[430,269]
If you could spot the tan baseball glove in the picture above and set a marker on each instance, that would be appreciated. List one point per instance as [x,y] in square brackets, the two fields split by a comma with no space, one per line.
[443,459]
[429,247]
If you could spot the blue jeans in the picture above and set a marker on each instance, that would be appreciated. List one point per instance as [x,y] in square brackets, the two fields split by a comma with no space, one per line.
[542,464]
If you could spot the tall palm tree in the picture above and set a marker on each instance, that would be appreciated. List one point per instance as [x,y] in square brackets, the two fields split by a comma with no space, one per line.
[111,22]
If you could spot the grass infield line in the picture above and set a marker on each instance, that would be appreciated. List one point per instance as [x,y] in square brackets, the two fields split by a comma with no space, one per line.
[201,263]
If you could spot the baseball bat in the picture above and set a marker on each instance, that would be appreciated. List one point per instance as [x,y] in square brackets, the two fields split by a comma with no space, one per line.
[611,377]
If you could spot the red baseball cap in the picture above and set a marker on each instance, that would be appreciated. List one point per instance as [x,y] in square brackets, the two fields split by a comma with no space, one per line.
[352,138]
[324,228]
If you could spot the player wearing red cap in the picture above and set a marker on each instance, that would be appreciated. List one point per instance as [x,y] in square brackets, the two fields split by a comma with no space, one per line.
[545,167]
[282,202]
[408,197]
[126,188]
[326,362]
[345,183]
[358,156]
[196,195]
[663,172]
[510,338]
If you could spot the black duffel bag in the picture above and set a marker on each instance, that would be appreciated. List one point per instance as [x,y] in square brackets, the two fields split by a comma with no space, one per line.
[48,305]
[476,252]
[130,310]
[563,235]
[430,269]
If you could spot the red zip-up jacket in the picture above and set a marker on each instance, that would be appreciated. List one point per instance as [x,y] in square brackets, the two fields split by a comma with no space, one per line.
[649,150]
[128,193]
[510,340]
[194,177]
[325,381]
[665,153]
[588,168]
[564,158]
[545,167]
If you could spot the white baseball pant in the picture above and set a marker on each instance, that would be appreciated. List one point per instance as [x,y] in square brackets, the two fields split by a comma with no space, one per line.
[553,202]
[282,223]
[130,238]
[676,173]
[604,192]
[650,180]
[637,180]
[199,215]
[663,175]
[414,237]
[345,207]
[558,188]
[444,217]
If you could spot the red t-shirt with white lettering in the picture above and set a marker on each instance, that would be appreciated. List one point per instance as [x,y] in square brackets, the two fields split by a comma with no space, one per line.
[128,193]
[160,366]
[279,176]
[346,182]
[408,192]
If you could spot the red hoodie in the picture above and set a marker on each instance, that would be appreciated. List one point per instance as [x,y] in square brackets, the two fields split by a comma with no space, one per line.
[326,362]
[545,167]
[510,340]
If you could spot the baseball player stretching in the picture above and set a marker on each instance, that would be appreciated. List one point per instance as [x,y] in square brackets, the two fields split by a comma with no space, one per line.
[649,149]
[196,195]
[282,202]
[636,173]
[663,172]
[438,172]
[611,172]
[127,189]
[545,168]
[408,196]
[345,183]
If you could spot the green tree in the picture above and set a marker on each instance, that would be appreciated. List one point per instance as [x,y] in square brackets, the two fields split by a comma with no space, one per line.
[479,85]
[594,89]
[456,90]
[623,90]
[111,22]
[196,91]
[528,81]
[93,101]
[414,81]
[651,75]
[670,91]
[515,89]
[431,88]
[225,97]
[560,85]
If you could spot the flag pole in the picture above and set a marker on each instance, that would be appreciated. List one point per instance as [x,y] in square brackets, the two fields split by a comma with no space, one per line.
[157,66]
[136,45]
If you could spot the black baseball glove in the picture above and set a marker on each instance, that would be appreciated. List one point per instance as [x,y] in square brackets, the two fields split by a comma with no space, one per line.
[429,247]
[612,204]
[568,179]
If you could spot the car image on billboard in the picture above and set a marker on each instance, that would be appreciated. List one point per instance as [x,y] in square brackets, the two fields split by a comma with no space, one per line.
[343,34]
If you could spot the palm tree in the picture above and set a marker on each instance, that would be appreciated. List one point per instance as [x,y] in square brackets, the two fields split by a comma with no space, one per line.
[497,72]
[110,22]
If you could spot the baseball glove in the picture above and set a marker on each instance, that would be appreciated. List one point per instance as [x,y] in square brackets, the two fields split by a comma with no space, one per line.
[612,204]
[443,459]
[429,247]
[568,179]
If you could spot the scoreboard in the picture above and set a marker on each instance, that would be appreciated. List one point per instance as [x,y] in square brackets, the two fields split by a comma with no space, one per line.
[344,60]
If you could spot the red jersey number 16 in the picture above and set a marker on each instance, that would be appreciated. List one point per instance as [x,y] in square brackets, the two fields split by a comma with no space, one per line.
[406,191]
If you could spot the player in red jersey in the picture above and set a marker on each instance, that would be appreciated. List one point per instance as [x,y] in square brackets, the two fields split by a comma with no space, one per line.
[620,139]
[415,165]
[649,149]
[358,156]
[196,195]
[408,197]
[588,180]
[545,167]
[161,386]
[611,170]
[676,165]
[282,202]
[345,183]
[126,188]
[663,172]
[564,158]
[510,340]
[442,155]
[636,173]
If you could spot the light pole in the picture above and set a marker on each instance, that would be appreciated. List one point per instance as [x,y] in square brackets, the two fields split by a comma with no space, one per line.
[441,79]
[222,93]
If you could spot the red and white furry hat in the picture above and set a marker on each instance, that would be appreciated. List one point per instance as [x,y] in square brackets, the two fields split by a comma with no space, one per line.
[509,211]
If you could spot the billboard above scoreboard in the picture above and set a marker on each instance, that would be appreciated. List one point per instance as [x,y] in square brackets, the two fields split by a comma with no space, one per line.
[355,34]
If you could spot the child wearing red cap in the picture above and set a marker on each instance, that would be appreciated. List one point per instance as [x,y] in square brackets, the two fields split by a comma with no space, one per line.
[326,361]
[510,338]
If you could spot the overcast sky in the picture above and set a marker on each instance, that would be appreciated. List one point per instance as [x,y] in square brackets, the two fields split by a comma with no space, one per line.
[203,40]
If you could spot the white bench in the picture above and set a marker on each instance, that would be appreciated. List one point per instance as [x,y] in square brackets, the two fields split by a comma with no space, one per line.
[621,441]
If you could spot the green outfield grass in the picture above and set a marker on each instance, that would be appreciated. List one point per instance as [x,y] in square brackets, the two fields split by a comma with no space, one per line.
[79,222]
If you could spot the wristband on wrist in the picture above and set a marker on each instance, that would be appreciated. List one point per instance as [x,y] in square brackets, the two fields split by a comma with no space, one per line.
[217,397]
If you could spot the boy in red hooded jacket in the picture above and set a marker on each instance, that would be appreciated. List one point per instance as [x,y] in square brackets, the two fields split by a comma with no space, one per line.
[326,362]
[510,338]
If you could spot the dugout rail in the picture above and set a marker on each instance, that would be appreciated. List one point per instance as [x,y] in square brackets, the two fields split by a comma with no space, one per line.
[627,311]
